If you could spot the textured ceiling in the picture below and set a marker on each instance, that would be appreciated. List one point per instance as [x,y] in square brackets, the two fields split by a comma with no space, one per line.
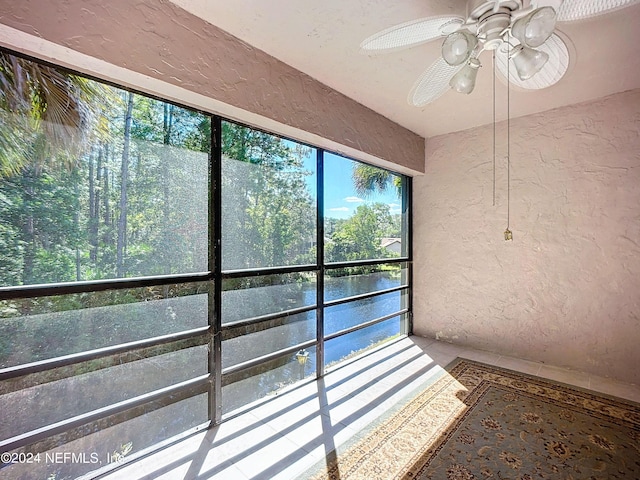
[322,38]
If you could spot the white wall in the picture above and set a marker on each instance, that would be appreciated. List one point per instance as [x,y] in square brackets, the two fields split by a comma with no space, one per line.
[566,290]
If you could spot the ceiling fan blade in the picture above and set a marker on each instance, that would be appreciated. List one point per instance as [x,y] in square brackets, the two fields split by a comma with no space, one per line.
[410,34]
[573,10]
[550,74]
[432,83]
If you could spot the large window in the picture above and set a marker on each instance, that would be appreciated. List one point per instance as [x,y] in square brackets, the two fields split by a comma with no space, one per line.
[366,235]
[365,214]
[269,207]
[162,267]
[268,198]
[104,256]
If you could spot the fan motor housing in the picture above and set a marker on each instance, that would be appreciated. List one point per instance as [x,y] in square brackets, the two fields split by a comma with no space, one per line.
[493,17]
[477,8]
[491,26]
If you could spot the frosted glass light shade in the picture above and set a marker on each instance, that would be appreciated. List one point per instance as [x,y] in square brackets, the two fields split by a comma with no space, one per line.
[528,61]
[458,47]
[465,80]
[534,29]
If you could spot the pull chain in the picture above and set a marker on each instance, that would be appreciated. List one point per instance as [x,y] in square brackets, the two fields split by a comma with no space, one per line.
[508,235]
[494,128]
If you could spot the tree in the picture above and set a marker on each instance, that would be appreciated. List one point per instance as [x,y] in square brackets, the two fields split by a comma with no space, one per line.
[268,213]
[359,237]
[46,122]
[124,181]
[96,182]
[46,114]
[368,179]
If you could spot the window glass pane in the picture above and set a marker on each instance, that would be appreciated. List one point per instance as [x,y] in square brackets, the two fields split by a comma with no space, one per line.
[346,346]
[363,210]
[347,282]
[52,401]
[97,182]
[42,328]
[100,445]
[251,341]
[100,183]
[354,313]
[254,296]
[253,384]
[268,200]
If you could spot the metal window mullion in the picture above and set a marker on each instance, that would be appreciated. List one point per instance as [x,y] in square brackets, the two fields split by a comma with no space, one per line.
[407,251]
[365,263]
[257,272]
[265,318]
[364,296]
[407,328]
[320,262]
[254,362]
[360,326]
[409,203]
[168,393]
[74,358]
[215,259]
[91,286]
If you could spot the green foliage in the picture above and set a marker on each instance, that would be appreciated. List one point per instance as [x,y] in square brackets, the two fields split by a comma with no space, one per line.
[38,231]
[63,177]
[269,215]
[368,179]
[59,208]
[60,196]
[266,281]
[359,237]
[47,116]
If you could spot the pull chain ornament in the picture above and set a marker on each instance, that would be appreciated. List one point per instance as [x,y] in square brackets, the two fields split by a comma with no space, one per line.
[508,235]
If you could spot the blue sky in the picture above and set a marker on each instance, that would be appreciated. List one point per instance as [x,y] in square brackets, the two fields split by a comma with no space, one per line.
[341,199]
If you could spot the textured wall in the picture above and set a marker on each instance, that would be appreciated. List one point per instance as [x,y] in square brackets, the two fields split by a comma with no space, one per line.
[566,290]
[158,39]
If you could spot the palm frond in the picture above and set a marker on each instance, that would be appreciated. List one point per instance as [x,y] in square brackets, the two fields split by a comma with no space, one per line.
[48,115]
[368,179]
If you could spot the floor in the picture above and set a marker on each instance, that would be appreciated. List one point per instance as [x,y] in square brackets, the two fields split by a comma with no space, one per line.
[283,437]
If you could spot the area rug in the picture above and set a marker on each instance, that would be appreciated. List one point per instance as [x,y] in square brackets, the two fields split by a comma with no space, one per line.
[482,422]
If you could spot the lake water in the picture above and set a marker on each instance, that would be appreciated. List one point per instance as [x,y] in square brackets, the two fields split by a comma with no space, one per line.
[37,336]
[302,327]
[43,404]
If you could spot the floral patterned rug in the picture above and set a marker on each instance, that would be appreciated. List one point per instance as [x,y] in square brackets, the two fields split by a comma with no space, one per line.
[482,422]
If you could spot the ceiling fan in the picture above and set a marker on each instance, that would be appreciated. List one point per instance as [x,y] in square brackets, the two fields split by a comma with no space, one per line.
[520,33]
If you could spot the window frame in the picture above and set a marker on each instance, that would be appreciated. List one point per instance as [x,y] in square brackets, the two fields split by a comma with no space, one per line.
[211,383]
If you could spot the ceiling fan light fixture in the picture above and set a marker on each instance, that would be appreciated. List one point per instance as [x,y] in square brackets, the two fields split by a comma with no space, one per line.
[528,61]
[458,47]
[465,80]
[535,28]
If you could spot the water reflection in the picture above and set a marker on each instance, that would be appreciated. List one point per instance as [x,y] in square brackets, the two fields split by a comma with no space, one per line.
[241,343]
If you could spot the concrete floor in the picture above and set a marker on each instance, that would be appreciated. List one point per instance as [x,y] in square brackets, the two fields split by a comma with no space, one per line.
[282,437]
